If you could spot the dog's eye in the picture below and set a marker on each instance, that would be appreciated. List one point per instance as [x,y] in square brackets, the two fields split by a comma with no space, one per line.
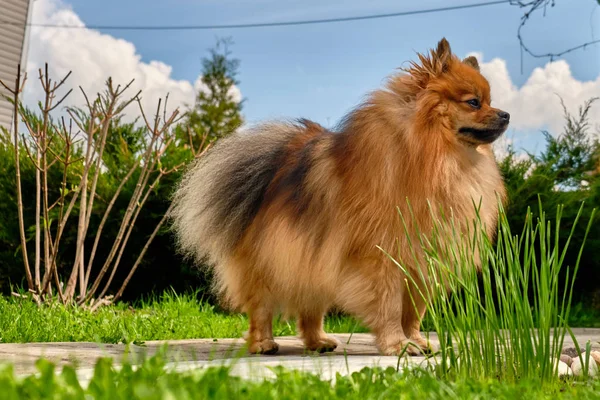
[474,103]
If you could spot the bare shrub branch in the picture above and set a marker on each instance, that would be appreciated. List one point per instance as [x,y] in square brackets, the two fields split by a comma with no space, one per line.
[56,145]
[16,92]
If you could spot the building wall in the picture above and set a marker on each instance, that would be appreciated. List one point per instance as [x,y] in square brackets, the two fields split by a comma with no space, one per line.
[13,21]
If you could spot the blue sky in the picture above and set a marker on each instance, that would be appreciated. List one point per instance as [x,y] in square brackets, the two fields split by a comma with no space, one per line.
[322,71]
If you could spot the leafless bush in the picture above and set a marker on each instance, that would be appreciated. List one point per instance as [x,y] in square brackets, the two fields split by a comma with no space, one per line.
[79,140]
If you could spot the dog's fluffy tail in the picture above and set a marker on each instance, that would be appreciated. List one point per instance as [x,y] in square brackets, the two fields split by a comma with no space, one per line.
[221,192]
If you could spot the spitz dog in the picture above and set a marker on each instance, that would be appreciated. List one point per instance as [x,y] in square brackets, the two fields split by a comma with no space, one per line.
[293,217]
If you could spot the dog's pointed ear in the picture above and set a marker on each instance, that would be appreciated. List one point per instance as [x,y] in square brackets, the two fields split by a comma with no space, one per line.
[432,64]
[443,49]
[443,54]
[472,62]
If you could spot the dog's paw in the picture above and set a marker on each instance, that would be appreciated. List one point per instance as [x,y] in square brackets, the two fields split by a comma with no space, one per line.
[323,344]
[427,346]
[406,347]
[266,346]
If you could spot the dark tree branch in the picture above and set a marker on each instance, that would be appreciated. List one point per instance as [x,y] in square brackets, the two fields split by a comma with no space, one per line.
[532,6]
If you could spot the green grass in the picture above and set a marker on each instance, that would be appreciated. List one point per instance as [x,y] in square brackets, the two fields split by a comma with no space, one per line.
[152,381]
[583,316]
[517,335]
[167,317]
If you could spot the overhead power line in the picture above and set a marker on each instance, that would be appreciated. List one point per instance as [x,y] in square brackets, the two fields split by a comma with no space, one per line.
[264,24]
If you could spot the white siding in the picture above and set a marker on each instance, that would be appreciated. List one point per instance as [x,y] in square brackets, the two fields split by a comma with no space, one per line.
[13,19]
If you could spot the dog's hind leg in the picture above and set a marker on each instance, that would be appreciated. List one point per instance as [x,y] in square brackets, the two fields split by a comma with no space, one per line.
[244,289]
[310,329]
[260,333]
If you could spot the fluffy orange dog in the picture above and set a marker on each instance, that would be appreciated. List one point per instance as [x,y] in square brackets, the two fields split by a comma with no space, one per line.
[290,214]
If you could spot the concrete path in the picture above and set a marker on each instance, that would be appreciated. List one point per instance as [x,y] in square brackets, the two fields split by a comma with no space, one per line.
[357,351]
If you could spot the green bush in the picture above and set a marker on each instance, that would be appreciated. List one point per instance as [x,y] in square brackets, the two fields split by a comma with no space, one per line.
[565,173]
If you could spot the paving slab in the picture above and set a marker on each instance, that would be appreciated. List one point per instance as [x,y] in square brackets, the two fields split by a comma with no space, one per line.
[356,352]
[85,354]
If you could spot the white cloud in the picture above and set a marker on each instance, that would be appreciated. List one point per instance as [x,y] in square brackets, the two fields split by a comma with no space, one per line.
[502,146]
[536,104]
[93,57]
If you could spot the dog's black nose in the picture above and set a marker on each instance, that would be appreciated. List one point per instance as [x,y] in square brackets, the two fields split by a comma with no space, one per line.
[504,115]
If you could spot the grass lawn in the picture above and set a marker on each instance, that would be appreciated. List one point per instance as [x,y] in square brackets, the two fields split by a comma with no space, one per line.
[183,316]
[152,381]
[167,317]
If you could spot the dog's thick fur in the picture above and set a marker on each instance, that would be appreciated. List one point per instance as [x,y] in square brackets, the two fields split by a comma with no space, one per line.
[290,214]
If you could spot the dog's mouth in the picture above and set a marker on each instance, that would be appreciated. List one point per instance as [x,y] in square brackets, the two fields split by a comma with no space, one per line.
[482,135]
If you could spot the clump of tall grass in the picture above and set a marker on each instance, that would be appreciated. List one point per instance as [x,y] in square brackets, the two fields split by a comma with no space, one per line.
[500,307]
